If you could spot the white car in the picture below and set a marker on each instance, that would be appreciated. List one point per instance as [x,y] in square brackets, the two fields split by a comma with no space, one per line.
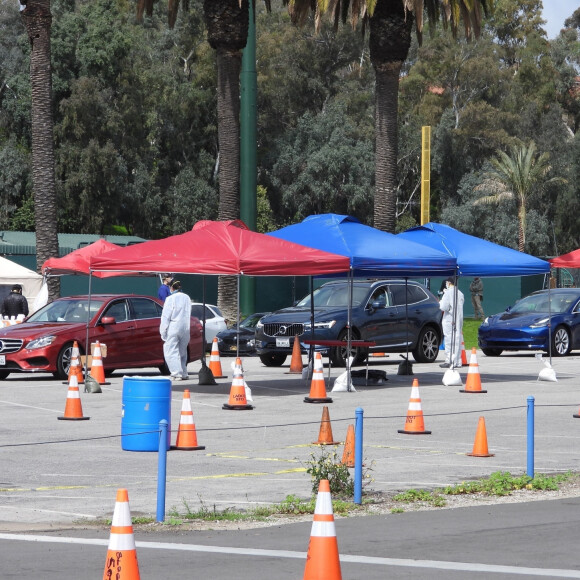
[214,320]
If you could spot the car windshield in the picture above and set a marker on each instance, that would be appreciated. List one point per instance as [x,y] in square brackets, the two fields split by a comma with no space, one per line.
[559,303]
[66,311]
[250,321]
[334,296]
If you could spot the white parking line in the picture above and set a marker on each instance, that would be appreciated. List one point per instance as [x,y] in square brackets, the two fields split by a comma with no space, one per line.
[401,562]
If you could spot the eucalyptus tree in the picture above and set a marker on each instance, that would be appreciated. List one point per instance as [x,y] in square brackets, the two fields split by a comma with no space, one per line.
[516,177]
[390,24]
[37,19]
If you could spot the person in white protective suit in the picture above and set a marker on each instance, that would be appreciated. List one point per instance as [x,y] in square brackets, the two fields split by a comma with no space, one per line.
[452,324]
[174,330]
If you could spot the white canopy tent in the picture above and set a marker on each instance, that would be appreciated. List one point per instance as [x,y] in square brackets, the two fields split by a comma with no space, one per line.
[13,273]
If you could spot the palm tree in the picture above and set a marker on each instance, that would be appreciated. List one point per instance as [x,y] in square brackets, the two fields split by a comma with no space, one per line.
[390,23]
[37,20]
[516,177]
[227,24]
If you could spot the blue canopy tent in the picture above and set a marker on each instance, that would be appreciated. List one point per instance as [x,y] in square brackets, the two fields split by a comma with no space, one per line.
[371,252]
[475,257]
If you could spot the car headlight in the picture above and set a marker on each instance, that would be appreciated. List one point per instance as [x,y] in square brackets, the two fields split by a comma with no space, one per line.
[251,342]
[40,342]
[485,322]
[327,324]
[540,323]
[260,324]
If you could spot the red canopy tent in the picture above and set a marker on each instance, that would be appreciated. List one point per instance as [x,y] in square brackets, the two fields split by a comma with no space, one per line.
[221,247]
[78,262]
[570,260]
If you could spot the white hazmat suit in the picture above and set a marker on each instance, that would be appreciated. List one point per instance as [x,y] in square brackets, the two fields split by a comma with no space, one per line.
[174,330]
[452,324]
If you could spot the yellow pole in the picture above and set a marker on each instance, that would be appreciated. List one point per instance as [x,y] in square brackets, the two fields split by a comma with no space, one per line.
[425,173]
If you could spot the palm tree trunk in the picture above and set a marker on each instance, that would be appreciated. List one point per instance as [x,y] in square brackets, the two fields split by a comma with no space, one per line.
[229,64]
[389,43]
[386,149]
[37,20]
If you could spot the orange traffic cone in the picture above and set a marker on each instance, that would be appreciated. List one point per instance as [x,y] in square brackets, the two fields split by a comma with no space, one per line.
[463,353]
[325,433]
[97,369]
[348,453]
[480,445]
[75,367]
[317,385]
[186,434]
[238,400]
[73,410]
[473,382]
[296,365]
[322,559]
[121,560]
[215,366]
[414,424]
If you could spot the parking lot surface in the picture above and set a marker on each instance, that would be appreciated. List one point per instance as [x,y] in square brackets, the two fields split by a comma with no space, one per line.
[59,472]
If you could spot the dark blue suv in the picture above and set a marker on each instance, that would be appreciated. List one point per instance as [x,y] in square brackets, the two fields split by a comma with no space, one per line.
[379,314]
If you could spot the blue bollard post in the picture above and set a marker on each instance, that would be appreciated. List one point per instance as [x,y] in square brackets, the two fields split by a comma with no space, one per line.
[358,455]
[530,471]
[162,470]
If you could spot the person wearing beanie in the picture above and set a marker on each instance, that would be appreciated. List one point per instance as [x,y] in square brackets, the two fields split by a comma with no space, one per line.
[15,303]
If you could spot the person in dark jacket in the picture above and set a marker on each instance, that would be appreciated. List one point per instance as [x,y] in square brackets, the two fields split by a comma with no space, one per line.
[15,303]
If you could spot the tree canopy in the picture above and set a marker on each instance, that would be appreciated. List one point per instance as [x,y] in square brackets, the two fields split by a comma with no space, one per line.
[136,124]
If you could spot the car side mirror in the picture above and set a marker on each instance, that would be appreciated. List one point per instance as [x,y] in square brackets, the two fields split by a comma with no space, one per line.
[106,320]
[377,304]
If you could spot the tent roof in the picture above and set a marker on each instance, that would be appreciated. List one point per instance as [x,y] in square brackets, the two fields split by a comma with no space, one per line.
[475,257]
[78,262]
[221,247]
[370,251]
[569,260]
[14,272]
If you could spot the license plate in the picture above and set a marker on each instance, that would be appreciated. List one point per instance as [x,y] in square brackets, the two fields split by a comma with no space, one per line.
[2,360]
[283,342]
[234,347]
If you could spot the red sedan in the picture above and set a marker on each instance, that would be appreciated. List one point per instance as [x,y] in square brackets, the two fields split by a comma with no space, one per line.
[127,324]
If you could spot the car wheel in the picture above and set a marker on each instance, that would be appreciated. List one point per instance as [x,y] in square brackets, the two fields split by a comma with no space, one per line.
[427,347]
[63,362]
[273,359]
[4,374]
[491,351]
[561,342]
[338,353]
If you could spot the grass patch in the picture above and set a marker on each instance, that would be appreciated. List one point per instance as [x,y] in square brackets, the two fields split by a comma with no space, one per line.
[500,483]
[470,328]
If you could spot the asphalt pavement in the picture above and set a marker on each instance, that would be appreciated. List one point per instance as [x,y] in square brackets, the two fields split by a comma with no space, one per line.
[59,474]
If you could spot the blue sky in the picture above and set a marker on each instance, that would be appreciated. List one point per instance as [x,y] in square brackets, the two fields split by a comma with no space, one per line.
[555,12]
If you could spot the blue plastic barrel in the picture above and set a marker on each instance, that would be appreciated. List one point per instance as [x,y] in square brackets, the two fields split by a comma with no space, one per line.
[146,400]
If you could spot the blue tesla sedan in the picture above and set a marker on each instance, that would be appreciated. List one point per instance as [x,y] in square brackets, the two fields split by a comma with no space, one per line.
[532,322]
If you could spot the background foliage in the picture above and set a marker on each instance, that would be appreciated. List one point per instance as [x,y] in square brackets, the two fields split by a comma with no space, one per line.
[135,122]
